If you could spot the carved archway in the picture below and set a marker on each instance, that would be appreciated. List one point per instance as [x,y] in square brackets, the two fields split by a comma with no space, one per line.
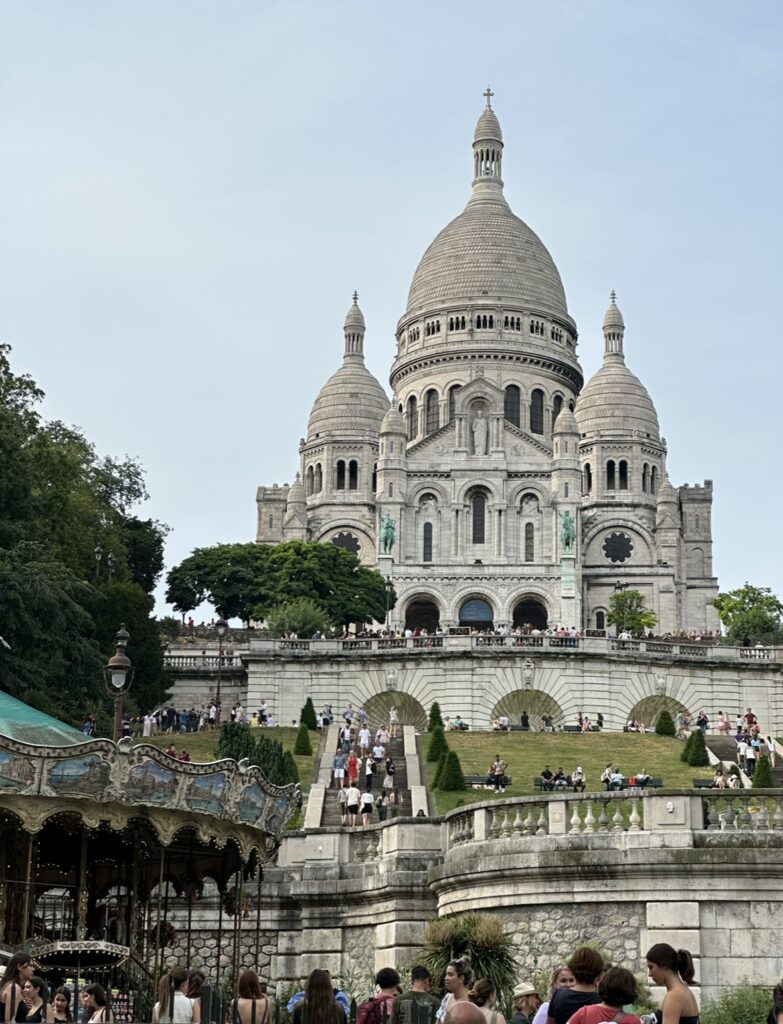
[409,710]
[535,702]
[422,613]
[476,612]
[531,611]
[648,708]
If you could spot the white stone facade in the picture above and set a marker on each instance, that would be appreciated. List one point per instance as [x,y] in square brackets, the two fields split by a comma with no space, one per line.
[490,440]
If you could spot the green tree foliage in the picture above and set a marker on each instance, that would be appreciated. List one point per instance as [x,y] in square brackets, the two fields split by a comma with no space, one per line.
[627,611]
[303,744]
[685,756]
[451,778]
[144,542]
[302,616]
[237,741]
[698,756]
[439,769]
[664,724]
[290,770]
[751,615]
[251,581]
[743,1005]
[435,717]
[307,715]
[762,776]
[437,745]
[481,938]
[169,627]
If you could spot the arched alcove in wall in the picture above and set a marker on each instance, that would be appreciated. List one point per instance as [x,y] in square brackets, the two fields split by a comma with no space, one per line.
[422,613]
[476,613]
[531,611]
[535,702]
[409,710]
[648,708]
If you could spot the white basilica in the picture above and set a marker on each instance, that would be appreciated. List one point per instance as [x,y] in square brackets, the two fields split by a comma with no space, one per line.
[517,495]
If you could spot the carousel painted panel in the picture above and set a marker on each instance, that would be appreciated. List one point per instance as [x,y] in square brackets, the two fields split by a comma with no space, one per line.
[151,783]
[207,793]
[84,775]
[17,772]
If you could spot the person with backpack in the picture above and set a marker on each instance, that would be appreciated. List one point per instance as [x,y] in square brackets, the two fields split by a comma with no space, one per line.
[616,989]
[378,1010]
[416,1006]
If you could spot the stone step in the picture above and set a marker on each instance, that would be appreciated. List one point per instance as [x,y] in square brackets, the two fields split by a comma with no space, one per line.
[723,747]
[331,812]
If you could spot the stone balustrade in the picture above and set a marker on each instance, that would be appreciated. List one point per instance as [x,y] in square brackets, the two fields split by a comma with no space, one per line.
[204,662]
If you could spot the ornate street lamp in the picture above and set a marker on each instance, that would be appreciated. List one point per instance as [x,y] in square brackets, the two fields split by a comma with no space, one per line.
[221,626]
[388,586]
[98,557]
[118,676]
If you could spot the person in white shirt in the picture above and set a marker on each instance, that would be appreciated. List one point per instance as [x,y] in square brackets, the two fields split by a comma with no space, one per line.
[378,753]
[364,740]
[367,806]
[352,800]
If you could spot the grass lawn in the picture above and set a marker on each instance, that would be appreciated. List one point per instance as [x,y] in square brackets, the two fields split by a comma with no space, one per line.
[202,745]
[527,753]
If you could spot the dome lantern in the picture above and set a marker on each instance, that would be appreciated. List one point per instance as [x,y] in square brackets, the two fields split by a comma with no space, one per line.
[487,149]
[614,329]
[354,328]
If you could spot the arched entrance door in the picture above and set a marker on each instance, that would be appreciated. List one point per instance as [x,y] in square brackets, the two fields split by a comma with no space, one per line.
[530,611]
[476,613]
[422,614]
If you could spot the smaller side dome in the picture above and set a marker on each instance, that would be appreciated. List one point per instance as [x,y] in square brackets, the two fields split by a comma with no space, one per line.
[566,422]
[613,318]
[296,493]
[666,493]
[354,317]
[393,422]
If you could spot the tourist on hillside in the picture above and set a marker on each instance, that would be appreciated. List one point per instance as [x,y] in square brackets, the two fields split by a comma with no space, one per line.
[346,738]
[367,803]
[395,802]
[606,774]
[559,779]
[320,1003]
[561,978]
[378,752]
[599,721]
[524,720]
[382,806]
[391,771]
[616,989]
[641,779]
[547,778]
[394,723]
[673,968]
[498,774]
[702,722]
[616,780]
[370,769]
[252,1005]
[724,726]
[352,800]
[338,768]
[352,768]
[456,981]
[578,780]
[771,751]
[719,779]
[484,995]
[525,1003]
[416,1005]
[587,966]
[184,756]
[364,741]
[750,759]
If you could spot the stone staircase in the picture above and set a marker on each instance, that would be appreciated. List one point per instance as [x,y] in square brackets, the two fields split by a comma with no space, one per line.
[330,817]
[723,747]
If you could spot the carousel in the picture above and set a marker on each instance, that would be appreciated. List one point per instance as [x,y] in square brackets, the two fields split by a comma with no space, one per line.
[106,850]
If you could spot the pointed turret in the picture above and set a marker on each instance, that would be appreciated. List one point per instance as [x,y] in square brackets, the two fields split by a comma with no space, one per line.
[487,152]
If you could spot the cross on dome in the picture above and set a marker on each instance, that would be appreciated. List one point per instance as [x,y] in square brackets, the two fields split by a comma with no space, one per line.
[356,298]
[488,96]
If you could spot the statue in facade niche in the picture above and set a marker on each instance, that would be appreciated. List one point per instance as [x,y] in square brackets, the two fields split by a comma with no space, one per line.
[387,534]
[567,532]
[479,429]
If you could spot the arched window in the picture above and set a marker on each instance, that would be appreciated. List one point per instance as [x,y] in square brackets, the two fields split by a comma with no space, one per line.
[426,545]
[588,479]
[453,400]
[413,425]
[492,321]
[511,404]
[353,475]
[530,555]
[431,412]
[391,489]
[557,405]
[478,510]
[319,478]
[309,481]
[645,478]
[654,480]
[623,473]
[600,620]
[339,482]
[462,323]
[610,480]
[537,412]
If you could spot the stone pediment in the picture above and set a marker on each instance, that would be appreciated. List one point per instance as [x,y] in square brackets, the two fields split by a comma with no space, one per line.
[438,438]
[516,437]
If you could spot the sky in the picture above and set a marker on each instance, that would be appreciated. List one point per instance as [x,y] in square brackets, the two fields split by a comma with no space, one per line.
[190,192]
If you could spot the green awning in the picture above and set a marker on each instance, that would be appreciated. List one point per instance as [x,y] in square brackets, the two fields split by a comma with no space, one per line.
[18,721]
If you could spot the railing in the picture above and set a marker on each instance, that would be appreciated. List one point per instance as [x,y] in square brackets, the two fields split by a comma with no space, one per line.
[748,811]
[756,653]
[201,661]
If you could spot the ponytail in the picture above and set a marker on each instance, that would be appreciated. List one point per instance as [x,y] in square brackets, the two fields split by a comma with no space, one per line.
[167,987]
[679,961]
[685,966]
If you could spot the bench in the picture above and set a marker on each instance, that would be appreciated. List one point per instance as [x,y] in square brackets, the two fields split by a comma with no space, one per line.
[578,728]
[652,783]
[519,728]
[702,784]
[538,783]
[480,781]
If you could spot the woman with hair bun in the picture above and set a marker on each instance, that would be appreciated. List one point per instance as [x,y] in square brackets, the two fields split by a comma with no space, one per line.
[485,996]
[673,968]
[456,981]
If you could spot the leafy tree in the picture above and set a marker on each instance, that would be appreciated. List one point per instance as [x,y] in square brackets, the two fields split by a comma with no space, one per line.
[435,717]
[451,778]
[233,578]
[302,616]
[762,776]
[307,715]
[169,627]
[437,745]
[627,611]
[303,744]
[664,724]
[483,939]
[698,756]
[144,542]
[751,615]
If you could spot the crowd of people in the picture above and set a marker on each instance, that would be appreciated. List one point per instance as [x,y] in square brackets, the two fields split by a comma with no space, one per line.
[361,758]
[25,997]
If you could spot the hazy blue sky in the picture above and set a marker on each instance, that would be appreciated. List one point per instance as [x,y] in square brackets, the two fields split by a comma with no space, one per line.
[190,192]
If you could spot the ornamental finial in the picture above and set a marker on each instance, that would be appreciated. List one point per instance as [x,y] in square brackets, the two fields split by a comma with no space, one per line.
[488,96]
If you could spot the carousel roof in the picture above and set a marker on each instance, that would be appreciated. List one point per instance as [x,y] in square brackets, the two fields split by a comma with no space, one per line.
[18,721]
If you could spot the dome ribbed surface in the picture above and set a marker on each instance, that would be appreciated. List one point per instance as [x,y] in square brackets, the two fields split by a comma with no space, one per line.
[613,317]
[350,402]
[566,422]
[487,249]
[615,401]
[354,317]
[487,127]
[296,492]
[393,422]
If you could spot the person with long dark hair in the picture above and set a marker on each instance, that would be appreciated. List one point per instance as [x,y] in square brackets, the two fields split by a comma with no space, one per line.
[319,1005]
[173,1005]
[18,970]
[38,1010]
[673,968]
[97,1002]
[61,1006]
[252,1005]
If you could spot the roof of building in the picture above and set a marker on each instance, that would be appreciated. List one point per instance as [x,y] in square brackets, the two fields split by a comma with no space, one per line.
[19,721]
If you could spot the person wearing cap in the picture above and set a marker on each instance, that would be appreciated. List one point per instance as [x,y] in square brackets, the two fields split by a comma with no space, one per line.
[525,1001]
[578,780]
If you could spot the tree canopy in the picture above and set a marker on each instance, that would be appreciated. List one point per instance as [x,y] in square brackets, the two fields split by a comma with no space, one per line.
[751,615]
[627,611]
[253,581]
[60,606]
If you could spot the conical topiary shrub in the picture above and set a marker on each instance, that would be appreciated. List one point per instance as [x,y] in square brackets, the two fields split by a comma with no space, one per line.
[698,756]
[303,744]
[762,776]
[438,744]
[451,778]
[307,715]
[289,764]
[685,756]
[435,718]
[439,769]
[664,724]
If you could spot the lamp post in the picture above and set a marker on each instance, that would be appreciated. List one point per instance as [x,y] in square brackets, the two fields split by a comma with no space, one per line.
[388,587]
[118,676]
[618,589]
[220,627]
[98,557]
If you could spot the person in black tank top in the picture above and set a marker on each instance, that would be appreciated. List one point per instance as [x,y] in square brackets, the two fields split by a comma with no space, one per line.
[19,969]
[673,968]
